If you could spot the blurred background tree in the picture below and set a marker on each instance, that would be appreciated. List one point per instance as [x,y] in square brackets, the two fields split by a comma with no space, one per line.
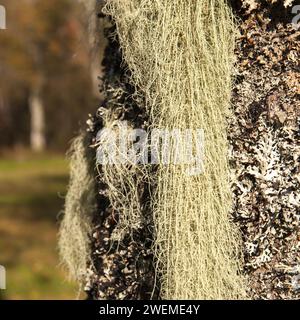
[50,60]
[46,87]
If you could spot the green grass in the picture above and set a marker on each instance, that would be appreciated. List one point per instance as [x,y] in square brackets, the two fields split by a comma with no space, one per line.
[31,197]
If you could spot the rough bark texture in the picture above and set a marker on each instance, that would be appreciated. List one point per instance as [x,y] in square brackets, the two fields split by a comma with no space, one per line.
[121,270]
[265,148]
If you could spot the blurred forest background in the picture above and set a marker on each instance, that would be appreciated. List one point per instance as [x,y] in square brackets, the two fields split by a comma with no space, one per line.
[49,64]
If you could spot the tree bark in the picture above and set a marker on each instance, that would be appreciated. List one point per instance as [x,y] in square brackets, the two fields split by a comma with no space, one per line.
[95,40]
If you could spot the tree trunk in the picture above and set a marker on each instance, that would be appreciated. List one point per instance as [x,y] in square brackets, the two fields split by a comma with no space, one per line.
[94,40]
[2,17]
[37,114]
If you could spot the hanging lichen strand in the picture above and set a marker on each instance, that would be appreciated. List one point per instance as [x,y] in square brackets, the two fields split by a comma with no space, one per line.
[80,206]
[180,54]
